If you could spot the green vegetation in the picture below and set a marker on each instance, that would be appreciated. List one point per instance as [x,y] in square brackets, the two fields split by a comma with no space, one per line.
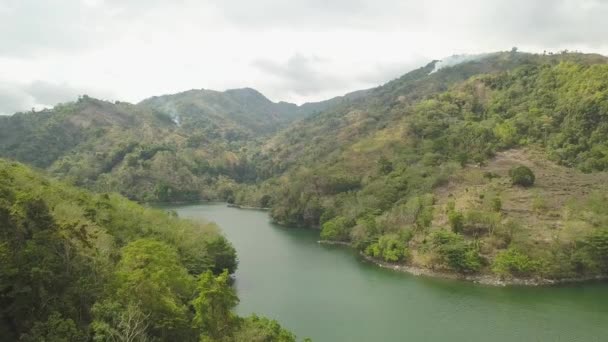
[455,252]
[419,171]
[184,147]
[513,263]
[380,170]
[522,175]
[75,266]
[389,248]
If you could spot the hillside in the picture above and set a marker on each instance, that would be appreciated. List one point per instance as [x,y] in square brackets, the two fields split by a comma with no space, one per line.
[235,114]
[168,148]
[414,172]
[369,172]
[77,266]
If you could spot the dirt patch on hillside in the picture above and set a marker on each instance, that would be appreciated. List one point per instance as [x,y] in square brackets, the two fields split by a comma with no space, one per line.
[542,210]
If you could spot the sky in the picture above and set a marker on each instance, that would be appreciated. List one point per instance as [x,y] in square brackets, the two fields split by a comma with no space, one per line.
[51,51]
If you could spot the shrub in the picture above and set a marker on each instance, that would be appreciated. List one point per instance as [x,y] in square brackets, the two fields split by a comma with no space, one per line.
[389,247]
[455,252]
[496,204]
[522,175]
[512,262]
[539,204]
[598,246]
[335,229]
[490,175]
[456,220]
[478,222]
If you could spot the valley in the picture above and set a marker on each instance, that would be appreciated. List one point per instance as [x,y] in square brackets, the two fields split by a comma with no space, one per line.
[492,170]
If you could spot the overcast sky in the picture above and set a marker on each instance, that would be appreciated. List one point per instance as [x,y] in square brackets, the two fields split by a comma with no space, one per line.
[296,50]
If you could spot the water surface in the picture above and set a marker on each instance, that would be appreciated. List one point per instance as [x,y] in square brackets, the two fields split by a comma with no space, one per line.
[328,293]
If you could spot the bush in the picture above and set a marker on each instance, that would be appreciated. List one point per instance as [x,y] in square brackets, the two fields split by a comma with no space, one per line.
[522,175]
[456,220]
[597,244]
[455,252]
[512,262]
[496,204]
[389,248]
[335,229]
[478,222]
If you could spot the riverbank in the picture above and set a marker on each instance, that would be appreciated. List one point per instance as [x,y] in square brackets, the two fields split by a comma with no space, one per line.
[237,206]
[318,284]
[484,279]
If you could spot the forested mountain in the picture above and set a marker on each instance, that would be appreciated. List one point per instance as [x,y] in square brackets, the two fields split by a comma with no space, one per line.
[168,148]
[496,165]
[77,266]
[236,114]
[425,170]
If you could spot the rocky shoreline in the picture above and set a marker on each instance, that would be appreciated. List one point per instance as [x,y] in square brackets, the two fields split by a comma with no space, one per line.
[238,206]
[485,279]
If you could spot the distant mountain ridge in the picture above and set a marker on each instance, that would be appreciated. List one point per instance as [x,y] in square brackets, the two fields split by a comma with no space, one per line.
[167,147]
[243,106]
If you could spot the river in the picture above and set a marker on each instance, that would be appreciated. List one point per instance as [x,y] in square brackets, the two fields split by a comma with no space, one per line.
[328,293]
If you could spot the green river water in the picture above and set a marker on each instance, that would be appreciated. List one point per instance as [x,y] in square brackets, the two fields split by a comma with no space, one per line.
[328,293]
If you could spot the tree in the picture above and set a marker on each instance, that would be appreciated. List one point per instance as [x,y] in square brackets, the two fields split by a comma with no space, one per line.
[522,175]
[223,255]
[456,220]
[335,229]
[54,329]
[213,306]
[150,276]
[512,262]
[389,248]
[260,329]
[117,322]
[385,166]
[455,252]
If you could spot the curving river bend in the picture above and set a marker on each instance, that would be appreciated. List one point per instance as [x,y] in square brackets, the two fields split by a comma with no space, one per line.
[328,293]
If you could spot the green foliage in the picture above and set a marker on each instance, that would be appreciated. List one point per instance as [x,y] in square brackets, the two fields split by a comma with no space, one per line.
[55,329]
[456,220]
[597,243]
[512,262]
[496,204]
[385,166]
[75,266]
[480,222]
[335,229]
[213,306]
[151,276]
[364,166]
[389,248]
[522,175]
[456,253]
[260,329]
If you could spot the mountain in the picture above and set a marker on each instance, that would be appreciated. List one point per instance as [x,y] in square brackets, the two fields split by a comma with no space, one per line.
[425,170]
[172,147]
[491,165]
[78,266]
[234,113]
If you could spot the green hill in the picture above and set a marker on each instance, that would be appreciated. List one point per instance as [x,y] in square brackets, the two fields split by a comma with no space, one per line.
[373,172]
[415,172]
[169,148]
[77,266]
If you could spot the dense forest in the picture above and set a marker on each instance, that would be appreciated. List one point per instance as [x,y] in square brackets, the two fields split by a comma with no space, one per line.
[180,147]
[494,166]
[78,266]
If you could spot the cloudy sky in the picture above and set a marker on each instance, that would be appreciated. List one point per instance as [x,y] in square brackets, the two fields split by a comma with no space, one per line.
[297,50]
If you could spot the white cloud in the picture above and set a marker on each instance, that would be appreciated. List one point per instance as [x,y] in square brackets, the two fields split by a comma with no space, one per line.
[300,50]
